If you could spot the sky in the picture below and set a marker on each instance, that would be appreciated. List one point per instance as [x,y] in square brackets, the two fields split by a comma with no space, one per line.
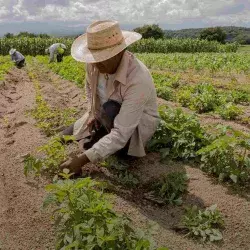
[60,16]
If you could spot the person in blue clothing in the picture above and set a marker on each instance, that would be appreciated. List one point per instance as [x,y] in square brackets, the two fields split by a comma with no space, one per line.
[17,58]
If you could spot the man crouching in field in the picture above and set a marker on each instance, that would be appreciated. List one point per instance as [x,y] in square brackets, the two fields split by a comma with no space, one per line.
[122,115]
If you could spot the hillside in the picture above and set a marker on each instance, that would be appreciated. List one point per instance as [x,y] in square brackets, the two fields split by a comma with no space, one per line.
[239,34]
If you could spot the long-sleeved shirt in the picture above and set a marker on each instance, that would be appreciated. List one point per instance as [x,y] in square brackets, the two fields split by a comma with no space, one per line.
[138,118]
[17,57]
[53,49]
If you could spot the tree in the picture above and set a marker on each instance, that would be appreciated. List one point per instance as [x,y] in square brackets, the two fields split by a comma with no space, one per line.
[43,36]
[150,31]
[213,34]
[26,34]
[9,35]
[243,39]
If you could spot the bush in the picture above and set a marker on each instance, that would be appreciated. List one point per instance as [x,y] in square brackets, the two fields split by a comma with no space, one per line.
[150,31]
[213,34]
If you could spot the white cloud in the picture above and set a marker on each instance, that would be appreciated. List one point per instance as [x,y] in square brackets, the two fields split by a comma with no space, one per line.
[210,12]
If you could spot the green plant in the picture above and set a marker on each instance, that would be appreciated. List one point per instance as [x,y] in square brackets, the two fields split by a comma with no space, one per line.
[179,135]
[49,120]
[68,69]
[227,156]
[204,98]
[53,154]
[5,65]
[229,111]
[128,179]
[240,96]
[203,224]
[171,187]
[85,219]
[121,174]
[201,98]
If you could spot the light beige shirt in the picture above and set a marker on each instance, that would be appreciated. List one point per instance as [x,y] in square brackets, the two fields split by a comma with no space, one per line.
[138,118]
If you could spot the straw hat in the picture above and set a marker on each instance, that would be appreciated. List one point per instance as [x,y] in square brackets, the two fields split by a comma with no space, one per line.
[12,51]
[103,40]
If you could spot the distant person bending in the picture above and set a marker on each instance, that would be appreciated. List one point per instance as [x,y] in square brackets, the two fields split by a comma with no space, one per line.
[17,57]
[56,51]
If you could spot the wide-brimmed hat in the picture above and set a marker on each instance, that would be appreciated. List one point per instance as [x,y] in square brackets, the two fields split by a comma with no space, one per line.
[12,51]
[103,40]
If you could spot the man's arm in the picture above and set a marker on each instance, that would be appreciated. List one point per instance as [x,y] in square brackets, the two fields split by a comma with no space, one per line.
[125,123]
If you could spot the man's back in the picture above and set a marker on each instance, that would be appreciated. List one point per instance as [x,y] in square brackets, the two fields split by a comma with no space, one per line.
[17,57]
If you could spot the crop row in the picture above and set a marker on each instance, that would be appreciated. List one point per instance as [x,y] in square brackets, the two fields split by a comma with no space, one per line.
[202,97]
[211,62]
[5,66]
[37,46]
[222,151]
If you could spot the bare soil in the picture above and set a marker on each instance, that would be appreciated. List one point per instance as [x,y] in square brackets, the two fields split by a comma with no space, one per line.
[24,226]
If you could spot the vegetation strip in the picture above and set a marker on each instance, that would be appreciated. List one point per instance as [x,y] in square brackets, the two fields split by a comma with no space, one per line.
[49,120]
[5,66]
[36,46]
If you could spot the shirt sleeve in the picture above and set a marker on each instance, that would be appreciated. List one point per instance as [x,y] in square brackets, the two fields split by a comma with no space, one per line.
[125,123]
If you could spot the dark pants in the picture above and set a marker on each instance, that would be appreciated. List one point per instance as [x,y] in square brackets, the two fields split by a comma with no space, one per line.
[59,57]
[20,64]
[109,111]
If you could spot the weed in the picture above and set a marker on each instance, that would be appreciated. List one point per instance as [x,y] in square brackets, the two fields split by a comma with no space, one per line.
[203,224]
[171,187]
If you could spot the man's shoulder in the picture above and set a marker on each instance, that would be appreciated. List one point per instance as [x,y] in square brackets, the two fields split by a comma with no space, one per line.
[137,70]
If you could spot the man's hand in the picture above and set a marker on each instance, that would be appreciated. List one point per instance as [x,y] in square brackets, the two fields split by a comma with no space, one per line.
[75,164]
[93,123]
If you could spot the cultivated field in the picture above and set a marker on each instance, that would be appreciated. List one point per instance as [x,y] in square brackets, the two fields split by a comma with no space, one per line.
[191,191]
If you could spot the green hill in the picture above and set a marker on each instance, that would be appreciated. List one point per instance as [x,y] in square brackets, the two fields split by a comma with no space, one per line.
[239,34]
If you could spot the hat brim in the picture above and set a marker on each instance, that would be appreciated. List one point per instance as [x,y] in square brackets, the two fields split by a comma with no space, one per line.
[81,53]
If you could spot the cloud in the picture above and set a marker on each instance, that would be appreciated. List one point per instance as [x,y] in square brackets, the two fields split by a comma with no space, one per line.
[135,12]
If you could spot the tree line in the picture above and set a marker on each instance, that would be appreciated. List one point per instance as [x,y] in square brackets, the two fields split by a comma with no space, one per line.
[26,34]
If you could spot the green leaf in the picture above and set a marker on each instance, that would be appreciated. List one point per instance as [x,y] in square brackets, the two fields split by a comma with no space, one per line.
[234,178]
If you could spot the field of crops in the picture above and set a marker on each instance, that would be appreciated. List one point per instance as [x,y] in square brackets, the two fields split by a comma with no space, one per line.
[204,104]
[37,46]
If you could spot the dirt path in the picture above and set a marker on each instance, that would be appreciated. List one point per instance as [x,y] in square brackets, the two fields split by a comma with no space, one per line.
[23,226]
[22,223]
